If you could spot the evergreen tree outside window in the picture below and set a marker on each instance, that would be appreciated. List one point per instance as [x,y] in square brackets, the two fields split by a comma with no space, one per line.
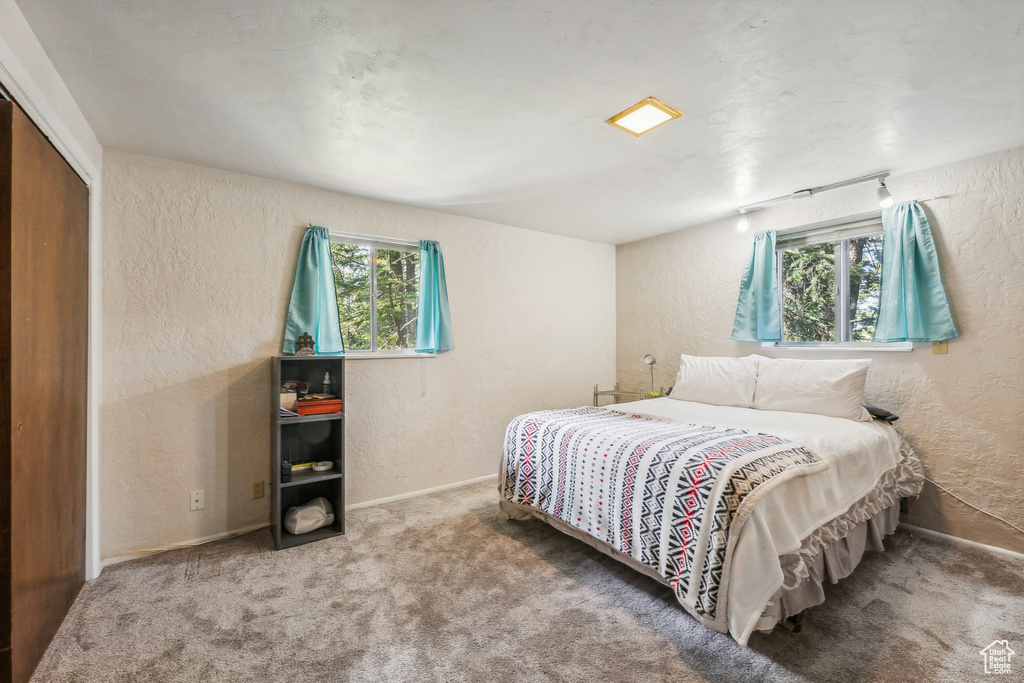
[830,282]
[377,284]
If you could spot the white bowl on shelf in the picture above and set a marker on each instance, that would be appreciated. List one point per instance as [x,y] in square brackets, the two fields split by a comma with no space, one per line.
[323,466]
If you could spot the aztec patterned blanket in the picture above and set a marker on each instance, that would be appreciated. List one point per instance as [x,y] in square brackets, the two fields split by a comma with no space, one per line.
[671,495]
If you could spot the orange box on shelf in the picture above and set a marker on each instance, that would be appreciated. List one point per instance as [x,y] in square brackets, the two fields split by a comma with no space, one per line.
[319,406]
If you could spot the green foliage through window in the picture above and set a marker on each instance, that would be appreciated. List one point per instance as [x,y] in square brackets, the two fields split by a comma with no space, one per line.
[352,282]
[809,293]
[398,282]
[377,296]
[865,286]
[830,290]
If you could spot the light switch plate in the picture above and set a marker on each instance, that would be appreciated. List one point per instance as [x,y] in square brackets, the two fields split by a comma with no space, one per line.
[197,500]
[940,347]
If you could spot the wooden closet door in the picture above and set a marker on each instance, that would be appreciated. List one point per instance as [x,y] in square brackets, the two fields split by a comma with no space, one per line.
[46,283]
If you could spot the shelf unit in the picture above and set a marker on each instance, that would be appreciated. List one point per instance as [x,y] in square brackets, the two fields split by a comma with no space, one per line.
[310,437]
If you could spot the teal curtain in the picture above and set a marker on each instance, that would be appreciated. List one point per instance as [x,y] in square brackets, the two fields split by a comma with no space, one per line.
[912,305]
[434,323]
[314,304]
[757,310]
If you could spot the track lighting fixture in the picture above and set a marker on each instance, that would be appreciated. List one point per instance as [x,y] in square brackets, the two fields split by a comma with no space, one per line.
[884,198]
[744,222]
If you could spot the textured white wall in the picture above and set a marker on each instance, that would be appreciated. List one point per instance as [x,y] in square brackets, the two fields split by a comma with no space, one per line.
[962,412]
[198,267]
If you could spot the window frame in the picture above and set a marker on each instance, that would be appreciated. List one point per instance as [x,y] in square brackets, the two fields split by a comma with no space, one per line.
[373,244]
[840,230]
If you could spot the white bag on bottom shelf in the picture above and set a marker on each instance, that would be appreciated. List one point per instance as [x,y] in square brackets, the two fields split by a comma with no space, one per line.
[302,519]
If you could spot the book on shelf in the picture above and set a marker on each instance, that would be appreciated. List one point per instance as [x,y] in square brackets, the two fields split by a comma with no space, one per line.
[318,404]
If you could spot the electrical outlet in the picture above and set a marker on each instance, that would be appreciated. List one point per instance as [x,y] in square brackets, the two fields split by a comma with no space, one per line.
[940,347]
[257,489]
[197,501]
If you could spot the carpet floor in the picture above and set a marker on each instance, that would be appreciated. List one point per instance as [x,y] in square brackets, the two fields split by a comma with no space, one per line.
[444,588]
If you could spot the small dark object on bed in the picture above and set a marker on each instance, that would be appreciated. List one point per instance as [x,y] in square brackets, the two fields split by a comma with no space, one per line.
[882,414]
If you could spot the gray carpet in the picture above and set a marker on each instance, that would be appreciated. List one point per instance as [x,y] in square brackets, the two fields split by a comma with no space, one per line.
[443,588]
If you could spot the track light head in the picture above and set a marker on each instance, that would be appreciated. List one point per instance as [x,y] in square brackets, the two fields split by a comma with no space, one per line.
[744,223]
[884,198]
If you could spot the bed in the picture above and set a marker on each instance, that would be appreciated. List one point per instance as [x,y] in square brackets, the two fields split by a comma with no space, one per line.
[743,512]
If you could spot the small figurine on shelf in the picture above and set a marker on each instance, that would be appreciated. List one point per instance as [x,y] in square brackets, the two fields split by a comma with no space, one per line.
[305,345]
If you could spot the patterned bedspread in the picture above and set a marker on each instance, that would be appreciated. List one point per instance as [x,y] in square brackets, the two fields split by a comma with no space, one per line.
[673,496]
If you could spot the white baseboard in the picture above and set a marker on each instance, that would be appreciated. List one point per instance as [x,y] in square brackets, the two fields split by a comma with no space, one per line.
[124,557]
[422,492]
[956,540]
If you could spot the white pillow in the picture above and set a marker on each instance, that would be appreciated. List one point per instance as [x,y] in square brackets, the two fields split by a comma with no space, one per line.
[824,387]
[717,381]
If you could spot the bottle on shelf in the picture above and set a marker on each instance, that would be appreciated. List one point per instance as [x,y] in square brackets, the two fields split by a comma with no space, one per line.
[286,469]
[327,383]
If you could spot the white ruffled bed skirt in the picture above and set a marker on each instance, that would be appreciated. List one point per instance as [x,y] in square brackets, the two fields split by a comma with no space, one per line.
[830,553]
[833,562]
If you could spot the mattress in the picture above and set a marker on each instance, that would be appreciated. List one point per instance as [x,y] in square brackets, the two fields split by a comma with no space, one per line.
[867,465]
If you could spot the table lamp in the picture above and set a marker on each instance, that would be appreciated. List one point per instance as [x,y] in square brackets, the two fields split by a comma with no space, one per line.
[649,360]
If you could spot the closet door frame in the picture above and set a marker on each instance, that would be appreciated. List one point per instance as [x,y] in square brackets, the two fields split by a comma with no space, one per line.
[44,358]
[41,95]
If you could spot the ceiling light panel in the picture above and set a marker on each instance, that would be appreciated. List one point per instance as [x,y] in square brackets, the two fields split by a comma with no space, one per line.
[644,116]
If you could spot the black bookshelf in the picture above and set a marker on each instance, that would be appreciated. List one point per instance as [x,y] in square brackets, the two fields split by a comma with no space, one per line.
[310,437]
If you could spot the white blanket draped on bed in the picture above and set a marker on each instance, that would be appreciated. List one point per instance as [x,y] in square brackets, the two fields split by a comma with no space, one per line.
[858,454]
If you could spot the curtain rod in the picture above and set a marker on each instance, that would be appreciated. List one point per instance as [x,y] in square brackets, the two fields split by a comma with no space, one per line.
[372,238]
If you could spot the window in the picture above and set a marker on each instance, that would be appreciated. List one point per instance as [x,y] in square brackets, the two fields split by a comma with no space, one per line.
[378,288]
[829,281]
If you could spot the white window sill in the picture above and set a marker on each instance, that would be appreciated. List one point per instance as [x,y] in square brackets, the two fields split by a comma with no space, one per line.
[855,347]
[376,355]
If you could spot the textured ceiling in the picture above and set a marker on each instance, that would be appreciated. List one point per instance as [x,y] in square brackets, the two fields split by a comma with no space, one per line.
[495,109]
